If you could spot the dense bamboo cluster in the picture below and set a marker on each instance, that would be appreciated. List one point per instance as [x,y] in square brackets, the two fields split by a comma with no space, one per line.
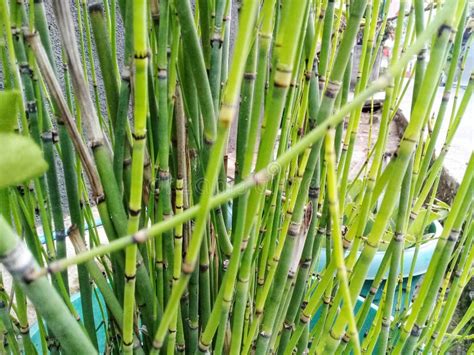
[219,167]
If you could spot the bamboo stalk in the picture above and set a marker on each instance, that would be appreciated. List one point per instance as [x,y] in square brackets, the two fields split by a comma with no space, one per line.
[138,155]
[20,263]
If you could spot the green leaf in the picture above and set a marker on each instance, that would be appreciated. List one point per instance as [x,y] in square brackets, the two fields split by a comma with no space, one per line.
[9,102]
[20,159]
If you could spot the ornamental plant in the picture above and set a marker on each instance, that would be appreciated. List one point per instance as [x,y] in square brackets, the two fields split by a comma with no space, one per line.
[214,246]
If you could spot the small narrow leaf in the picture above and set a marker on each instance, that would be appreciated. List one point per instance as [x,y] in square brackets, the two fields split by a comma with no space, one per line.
[21,159]
[9,101]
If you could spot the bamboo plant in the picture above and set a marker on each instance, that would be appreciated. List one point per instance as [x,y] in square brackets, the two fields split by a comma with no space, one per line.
[200,181]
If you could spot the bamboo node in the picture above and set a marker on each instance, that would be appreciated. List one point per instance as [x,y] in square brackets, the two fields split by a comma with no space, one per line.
[398,237]
[371,244]
[20,263]
[385,322]
[126,73]
[416,331]
[100,198]
[142,55]
[445,27]
[96,144]
[227,113]
[164,174]
[453,236]
[304,318]
[140,237]
[134,212]
[126,343]
[334,336]
[265,334]
[139,137]
[294,229]
[250,76]
[264,35]
[31,107]
[283,75]
[346,243]
[332,89]
[60,235]
[95,6]
[47,136]
[180,348]
[446,96]
[24,329]
[187,268]
[129,278]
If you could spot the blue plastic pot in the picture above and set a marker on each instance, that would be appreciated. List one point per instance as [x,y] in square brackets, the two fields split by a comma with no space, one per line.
[423,260]
[368,320]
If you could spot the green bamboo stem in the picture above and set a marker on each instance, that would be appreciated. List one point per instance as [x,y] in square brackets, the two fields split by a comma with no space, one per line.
[222,305]
[179,204]
[458,284]
[108,65]
[412,327]
[205,30]
[226,115]
[205,296]
[421,59]
[363,77]
[374,288]
[283,309]
[19,261]
[82,11]
[267,138]
[120,139]
[66,151]
[164,176]
[191,44]
[337,237]
[138,155]
[23,324]
[226,45]
[39,125]
[426,337]
[306,257]
[326,43]
[437,164]
[278,261]
[20,298]
[455,333]
[394,261]
[97,276]
[8,333]
[216,41]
